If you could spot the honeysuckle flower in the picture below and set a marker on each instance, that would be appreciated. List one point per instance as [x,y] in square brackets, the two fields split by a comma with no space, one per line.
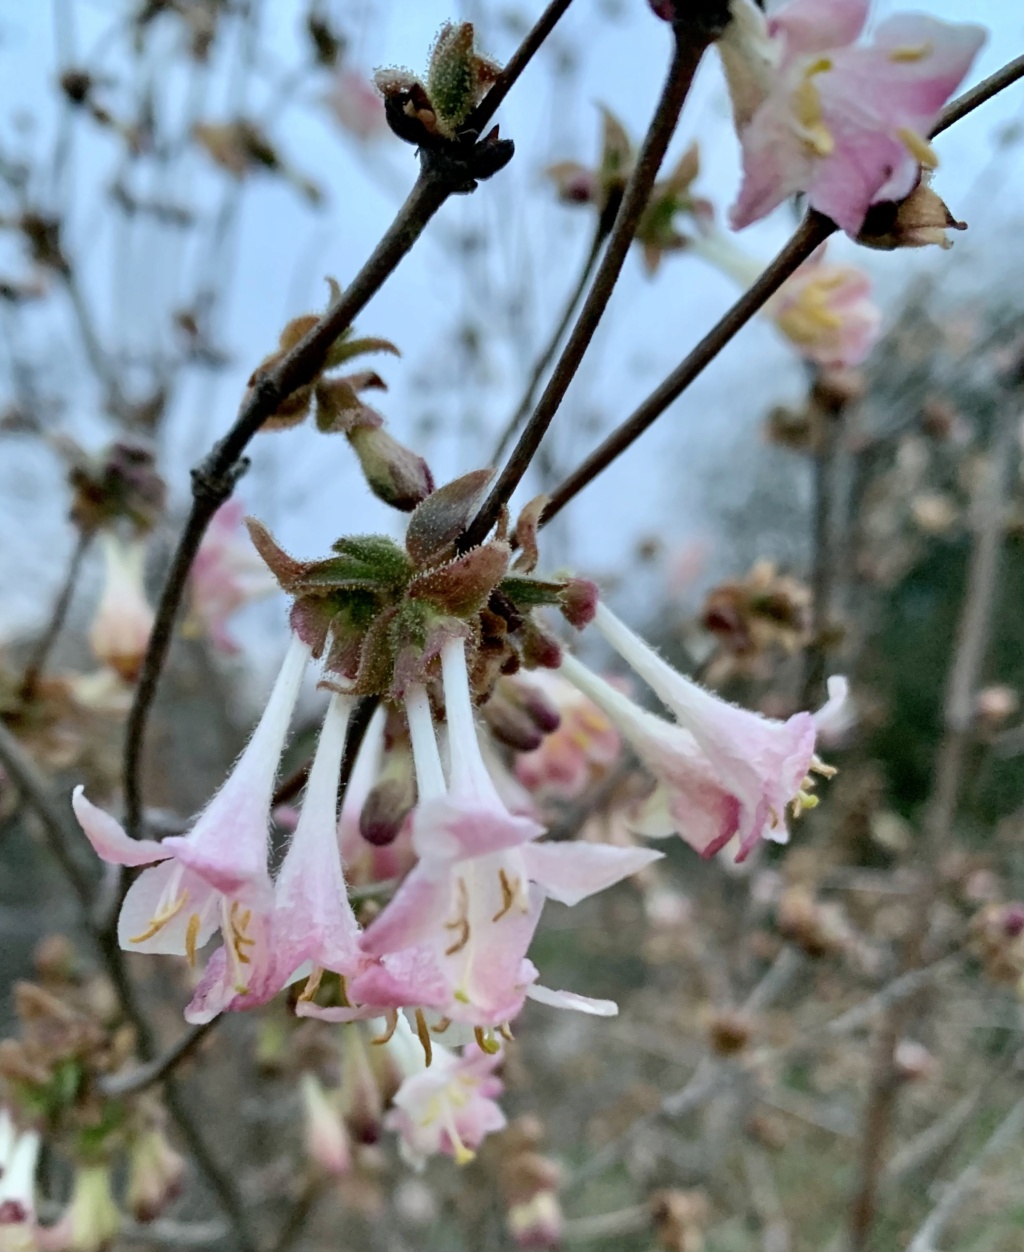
[357,105]
[215,876]
[580,748]
[724,771]
[537,1222]
[19,1152]
[92,1220]
[824,310]
[120,630]
[327,1142]
[448,1106]
[155,1175]
[846,123]
[470,906]
[226,575]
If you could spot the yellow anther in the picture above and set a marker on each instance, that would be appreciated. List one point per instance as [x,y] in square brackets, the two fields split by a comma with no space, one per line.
[918,147]
[191,938]
[505,1030]
[461,996]
[391,1017]
[441,1026]
[424,1036]
[809,115]
[907,55]
[312,985]
[509,891]
[461,922]
[486,1040]
[161,917]
[819,767]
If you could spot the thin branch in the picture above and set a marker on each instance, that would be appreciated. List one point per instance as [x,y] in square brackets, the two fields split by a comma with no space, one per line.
[40,653]
[686,55]
[810,234]
[958,1191]
[548,355]
[148,1075]
[824,569]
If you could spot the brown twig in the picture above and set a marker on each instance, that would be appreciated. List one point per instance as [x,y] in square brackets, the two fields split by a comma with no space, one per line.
[148,1075]
[40,653]
[548,355]
[823,571]
[965,671]
[688,49]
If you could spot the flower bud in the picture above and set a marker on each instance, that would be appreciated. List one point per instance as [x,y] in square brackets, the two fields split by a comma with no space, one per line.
[92,1220]
[155,1175]
[120,630]
[538,1222]
[362,1100]
[390,799]
[326,1139]
[394,473]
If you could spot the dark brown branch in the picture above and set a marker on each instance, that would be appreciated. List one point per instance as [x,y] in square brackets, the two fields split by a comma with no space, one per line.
[40,653]
[548,355]
[823,572]
[686,55]
[148,1075]
[812,232]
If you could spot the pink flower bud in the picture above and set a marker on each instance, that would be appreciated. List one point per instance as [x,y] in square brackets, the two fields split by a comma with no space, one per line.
[326,1138]
[155,1175]
[394,473]
[120,630]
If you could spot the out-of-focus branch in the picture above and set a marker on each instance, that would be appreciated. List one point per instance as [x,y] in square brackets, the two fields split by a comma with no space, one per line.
[809,235]
[824,567]
[688,49]
[41,651]
[962,683]
[154,1071]
[213,480]
[548,355]
[958,1191]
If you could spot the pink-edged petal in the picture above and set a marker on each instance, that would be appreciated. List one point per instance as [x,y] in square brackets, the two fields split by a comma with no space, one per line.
[410,978]
[488,971]
[448,829]
[109,839]
[154,893]
[818,25]
[775,166]
[569,872]
[570,1000]
[417,909]
[217,991]
[918,88]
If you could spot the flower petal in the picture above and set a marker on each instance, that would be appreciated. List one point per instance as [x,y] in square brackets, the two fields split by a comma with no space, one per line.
[110,840]
[569,872]
[570,1000]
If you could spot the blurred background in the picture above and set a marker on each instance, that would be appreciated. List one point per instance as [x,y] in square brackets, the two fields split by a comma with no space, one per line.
[177,181]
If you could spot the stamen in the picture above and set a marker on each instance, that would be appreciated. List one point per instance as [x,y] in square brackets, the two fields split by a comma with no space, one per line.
[505,1030]
[346,1003]
[486,1041]
[461,922]
[908,55]
[918,147]
[191,938]
[391,1017]
[819,767]
[441,1026]
[509,891]
[312,984]
[424,1036]
[161,917]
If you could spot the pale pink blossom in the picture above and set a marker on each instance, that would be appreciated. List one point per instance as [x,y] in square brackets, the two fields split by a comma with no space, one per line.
[817,112]
[215,877]
[577,751]
[463,919]
[327,1143]
[19,1154]
[226,575]
[448,1106]
[723,771]
[124,618]
[357,105]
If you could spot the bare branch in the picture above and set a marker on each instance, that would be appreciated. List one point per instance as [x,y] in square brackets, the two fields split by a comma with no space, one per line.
[40,653]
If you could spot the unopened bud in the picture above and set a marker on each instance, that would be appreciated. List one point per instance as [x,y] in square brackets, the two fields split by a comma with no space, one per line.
[120,630]
[912,1061]
[457,75]
[155,1175]
[578,601]
[1013,920]
[92,1221]
[362,1102]
[394,473]
[326,1140]
[729,1032]
[537,1223]
[384,812]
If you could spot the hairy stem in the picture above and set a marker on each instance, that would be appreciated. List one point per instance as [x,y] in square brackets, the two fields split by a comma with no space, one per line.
[686,55]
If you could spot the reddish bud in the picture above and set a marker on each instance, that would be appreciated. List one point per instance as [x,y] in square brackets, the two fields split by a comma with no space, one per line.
[394,473]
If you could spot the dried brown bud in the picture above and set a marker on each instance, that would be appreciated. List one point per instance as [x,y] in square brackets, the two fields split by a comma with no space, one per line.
[729,1032]
[916,222]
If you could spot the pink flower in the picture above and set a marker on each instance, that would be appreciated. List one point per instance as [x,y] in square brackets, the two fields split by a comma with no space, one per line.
[843,122]
[327,1143]
[120,630]
[723,771]
[214,877]
[448,1106]
[463,919]
[226,575]
[827,313]
[579,749]
[357,105]
[19,1153]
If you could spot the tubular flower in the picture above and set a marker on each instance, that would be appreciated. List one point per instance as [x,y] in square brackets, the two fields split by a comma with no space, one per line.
[19,1152]
[225,576]
[579,748]
[723,771]
[470,907]
[843,122]
[120,630]
[327,1143]
[214,877]
[447,1106]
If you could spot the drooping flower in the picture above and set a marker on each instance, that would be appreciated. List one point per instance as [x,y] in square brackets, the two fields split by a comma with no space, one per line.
[120,630]
[19,1152]
[824,310]
[577,751]
[448,1106]
[327,1142]
[846,123]
[215,876]
[468,910]
[155,1175]
[723,771]
[92,1220]
[226,575]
